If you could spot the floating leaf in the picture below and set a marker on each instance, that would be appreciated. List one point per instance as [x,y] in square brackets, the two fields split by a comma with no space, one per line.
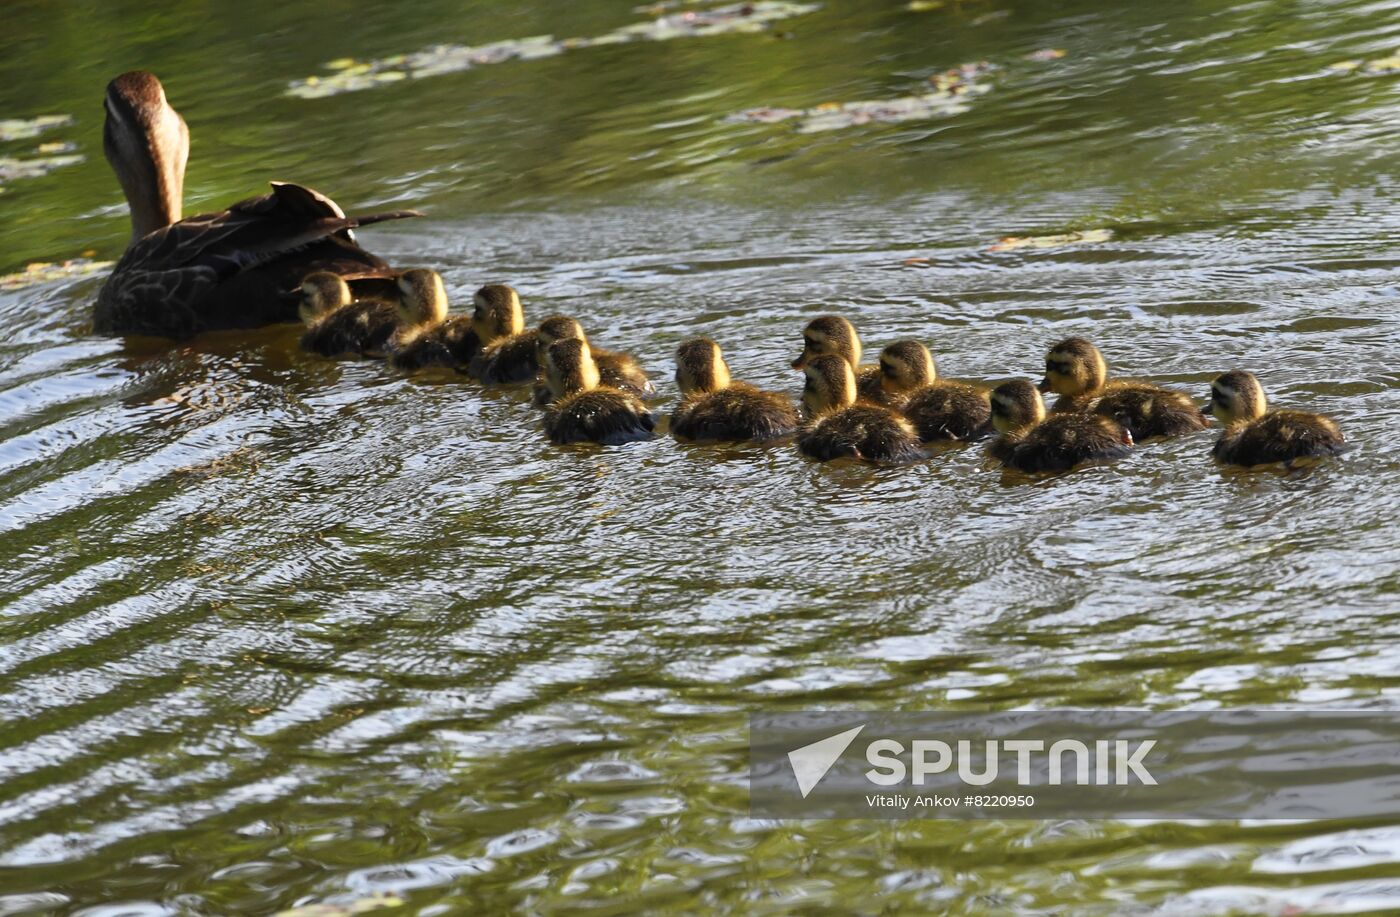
[18,129]
[994,16]
[1088,236]
[374,902]
[11,169]
[956,79]
[350,75]
[1389,64]
[948,97]
[46,272]
[911,262]
[1046,54]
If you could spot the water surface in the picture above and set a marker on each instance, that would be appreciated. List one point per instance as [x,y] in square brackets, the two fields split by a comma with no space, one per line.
[280,631]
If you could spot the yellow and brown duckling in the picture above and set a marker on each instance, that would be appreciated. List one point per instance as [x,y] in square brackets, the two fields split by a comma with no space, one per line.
[1077,372]
[427,335]
[1254,435]
[507,349]
[832,334]
[336,326]
[714,407]
[940,410]
[585,411]
[840,426]
[1032,443]
[615,370]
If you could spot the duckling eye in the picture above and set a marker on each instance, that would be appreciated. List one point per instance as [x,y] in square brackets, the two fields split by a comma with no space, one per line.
[809,343]
[1056,366]
[886,369]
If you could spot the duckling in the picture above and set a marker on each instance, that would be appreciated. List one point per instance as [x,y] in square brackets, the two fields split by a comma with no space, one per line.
[716,408]
[1077,372]
[1255,435]
[1031,442]
[938,409]
[507,349]
[583,410]
[427,335]
[832,334]
[337,326]
[615,370]
[841,426]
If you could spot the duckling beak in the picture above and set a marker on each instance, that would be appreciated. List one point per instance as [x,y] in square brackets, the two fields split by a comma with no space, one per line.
[294,293]
[1128,437]
[800,362]
[1044,385]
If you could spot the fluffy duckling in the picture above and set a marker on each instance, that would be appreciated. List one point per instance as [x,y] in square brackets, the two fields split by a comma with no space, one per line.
[832,334]
[716,408]
[335,326]
[1030,442]
[583,410]
[1255,435]
[615,370]
[427,335]
[841,426]
[938,409]
[507,349]
[1077,372]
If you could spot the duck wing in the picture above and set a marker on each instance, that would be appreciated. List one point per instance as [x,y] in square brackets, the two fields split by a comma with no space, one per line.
[230,269]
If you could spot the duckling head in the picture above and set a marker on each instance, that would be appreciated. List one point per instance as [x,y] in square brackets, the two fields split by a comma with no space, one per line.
[569,368]
[906,366]
[830,385]
[829,334]
[422,297]
[1236,396]
[556,328]
[1074,366]
[700,367]
[498,313]
[1015,405]
[322,292]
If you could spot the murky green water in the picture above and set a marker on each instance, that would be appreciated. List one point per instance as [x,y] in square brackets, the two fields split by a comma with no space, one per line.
[278,631]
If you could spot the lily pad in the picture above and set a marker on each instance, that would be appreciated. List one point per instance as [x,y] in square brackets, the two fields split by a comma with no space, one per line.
[21,129]
[360,906]
[11,169]
[1086,237]
[948,96]
[47,272]
[1388,64]
[350,75]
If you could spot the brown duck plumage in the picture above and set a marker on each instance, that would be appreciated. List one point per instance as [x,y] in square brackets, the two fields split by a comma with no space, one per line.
[230,269]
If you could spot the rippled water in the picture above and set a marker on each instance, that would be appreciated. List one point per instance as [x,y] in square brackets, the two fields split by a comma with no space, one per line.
[280,631]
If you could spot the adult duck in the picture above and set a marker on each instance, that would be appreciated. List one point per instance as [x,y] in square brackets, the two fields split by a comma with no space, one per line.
[230,269]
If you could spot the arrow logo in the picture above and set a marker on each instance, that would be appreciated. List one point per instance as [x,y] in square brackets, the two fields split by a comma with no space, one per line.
[811,762]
